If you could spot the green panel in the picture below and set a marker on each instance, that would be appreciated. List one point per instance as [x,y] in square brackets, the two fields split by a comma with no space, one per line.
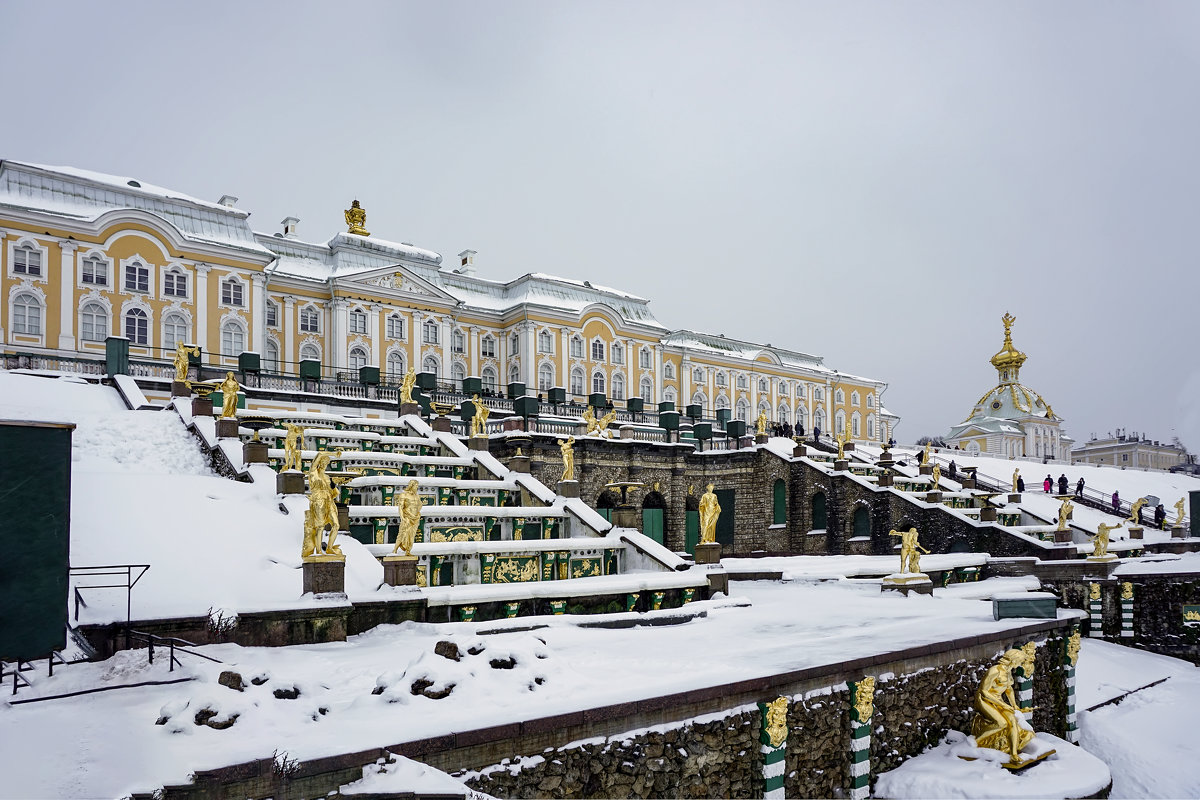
[780,503]
[818,511]
[364,533]
[455,533]
[116,355]
[516,569]
[586,567]
[725,522]
[692,525]
[605,512]
[652,523]
[35,471]
[862,522]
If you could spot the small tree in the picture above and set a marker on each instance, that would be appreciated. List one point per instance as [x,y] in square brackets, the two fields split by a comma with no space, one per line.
[936,441]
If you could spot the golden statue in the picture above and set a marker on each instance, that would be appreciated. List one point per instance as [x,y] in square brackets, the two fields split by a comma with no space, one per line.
[568,455]
[1064,511]
[409,504]
[864,699]
[229,396]
[1179,504]
[1073,647]
[761,423]
[1126,591]
[181,361]
[999,723]
[710,509]
[1094,591]
[1100,541]
[937,476]
[406,385]
[356,217]
[910,550]
[598,426]
[775,724]
[293,457]
[321,513]
[1016,477]
[1030,651]
[1135,513]
[479,418]
[925,455]
[842,440]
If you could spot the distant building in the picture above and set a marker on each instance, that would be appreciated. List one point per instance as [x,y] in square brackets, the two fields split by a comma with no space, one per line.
[1012,420]
[1129,450]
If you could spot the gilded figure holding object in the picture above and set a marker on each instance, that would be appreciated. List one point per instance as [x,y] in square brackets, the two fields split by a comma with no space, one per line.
[356,218]
[910,550]
[229,396]
[710,510]
[566,446]
[182,351]
[480,417]
[760,424]
[1100,541]
[406,385]
[999,723]
[1064,511]
[322,511]
[292,447]
[408,502]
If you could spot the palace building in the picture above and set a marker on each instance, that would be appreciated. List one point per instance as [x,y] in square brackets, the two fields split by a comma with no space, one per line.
[1012,420]
[86,256]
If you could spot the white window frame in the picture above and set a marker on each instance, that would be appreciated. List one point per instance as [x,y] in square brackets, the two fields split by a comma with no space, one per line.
[669,394]
[430,332]
[578,382]
[545,342]
[309,311]
[855,397]
[599,381]
[458,373]
[721,380]
[396,328]
[94,256]
[669,371]
[175,270]
[127,266]
[487,346]
[26,245]
[489,379]
[616,386]
[576,346]
[232,326]
[644,359]
[170,342]
[436,363]
[458,341]
[37,303]
[545,377]
[394,357]
[839,397]
[270,361]
[271,306]
[231,281]
[646,390]
[357,321]
[105,329]
[310,347]
[357,353]
[126,313]
[616,353]
[596,350]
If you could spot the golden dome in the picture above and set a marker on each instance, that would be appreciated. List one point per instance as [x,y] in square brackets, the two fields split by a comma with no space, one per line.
[1009,360]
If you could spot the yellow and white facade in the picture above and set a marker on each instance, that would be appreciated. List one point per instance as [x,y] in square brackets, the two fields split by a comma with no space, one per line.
[85,256]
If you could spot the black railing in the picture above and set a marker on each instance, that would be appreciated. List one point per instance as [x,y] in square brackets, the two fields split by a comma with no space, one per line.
[114,571]
[173,644]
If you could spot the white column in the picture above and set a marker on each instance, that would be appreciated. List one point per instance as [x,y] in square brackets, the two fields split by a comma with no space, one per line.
[529,360]
[445,325]
[564,358]
[289,332]
[258,313]
[375,334]
[4,304]
[338,322]
[685,381]
[201,306]
[66,314]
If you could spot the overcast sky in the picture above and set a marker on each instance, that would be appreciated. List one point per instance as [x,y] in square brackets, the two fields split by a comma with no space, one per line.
[876,183]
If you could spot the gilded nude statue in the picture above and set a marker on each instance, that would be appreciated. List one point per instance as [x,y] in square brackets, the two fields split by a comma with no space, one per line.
[322,511]
[408,502]
[406,385]
[293,445]
[1100,541]
[710,510]
[229,396]
[566,446]
[999,722]
[182,351]
[480,417]
[910,550]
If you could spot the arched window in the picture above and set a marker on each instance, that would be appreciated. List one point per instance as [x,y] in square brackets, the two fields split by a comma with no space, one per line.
[232,292]
[819,420]
[137,326]
[743,410]
[175,283]
[862,523]
[310,352]
[722,402]
[458,374]
[489,379]
[698,375]
[779,497]
[27,260]
[870,401]
[644,358]
[855,425]
[871,428]
[430,364]
[839,397]
[27,314]
[618,387]
[395,365]
[487,346]
[699,399]
[545,342]
[618,353]
[818,511]
[175,330]
[669,394]
[233,338]
[669,371]
[854,398]
[647,390]
[310,320]
[271,357]
[784,414]
[577,381]
[545,377]
[514,374]
[597,350]
[395,326]
[93,323]
[429,332]
[95,271]
[358,358]
[597,382]
[802,417]
[576,347]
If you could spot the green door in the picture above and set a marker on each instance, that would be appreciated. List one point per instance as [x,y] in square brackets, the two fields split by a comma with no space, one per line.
[652,523]
[725,521]
[692,533]
[818,511]
[605,512]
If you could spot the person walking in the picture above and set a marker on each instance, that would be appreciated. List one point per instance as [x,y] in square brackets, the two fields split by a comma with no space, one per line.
[1048,485]
[1020,484]
[1160,517]
[1079,488]
[1116,503]
[1063,483]
[952,470]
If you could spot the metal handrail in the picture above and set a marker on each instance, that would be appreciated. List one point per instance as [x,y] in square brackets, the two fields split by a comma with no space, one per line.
[173,644]
[105,570]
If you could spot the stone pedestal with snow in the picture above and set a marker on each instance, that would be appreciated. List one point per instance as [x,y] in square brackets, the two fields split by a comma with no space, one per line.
[905,582]
[325,575]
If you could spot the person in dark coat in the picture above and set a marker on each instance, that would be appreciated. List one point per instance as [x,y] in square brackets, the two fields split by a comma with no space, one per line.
[1048,485]
[1020,484]
[1116,503]
[1063,484]
[799,430]
[1160,517]
[816,433]
[952,470]
[1079,488]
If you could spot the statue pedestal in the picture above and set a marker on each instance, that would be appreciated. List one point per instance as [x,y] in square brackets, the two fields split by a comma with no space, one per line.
[343,510]
[841,465]
[760,438]
[180,389]
[440,424]
[905,582]
[926,469]
[967,483]
[885,479]
[1178,532]
[568,488]
[400,570]
[202,407]
[933,497]
[848,447]
[478,443]
[519,464]
[325,575]
[254,452]
[708,553]
[410,408]
[1014,498]
[987,514]
[1063,537]
[290,482]
[1104,559]
[718,581]
[227,428]
[625,516]
[798,450]
[1136,532]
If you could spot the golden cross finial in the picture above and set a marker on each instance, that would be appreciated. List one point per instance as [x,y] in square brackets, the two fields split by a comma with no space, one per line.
[1008,320]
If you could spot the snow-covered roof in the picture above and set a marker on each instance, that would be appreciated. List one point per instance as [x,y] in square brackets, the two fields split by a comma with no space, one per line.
[84,195]
[749,351]
[544,290]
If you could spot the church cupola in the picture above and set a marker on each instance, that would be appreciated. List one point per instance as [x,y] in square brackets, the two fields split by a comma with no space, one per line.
[1009,360]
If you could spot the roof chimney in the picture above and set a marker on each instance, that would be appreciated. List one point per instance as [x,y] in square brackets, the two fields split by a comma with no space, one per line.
[228,200]
[289,226]
[466,262]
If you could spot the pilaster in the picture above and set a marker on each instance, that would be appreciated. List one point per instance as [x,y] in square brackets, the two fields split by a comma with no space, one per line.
[202,305]
[66,314]
[258,313]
